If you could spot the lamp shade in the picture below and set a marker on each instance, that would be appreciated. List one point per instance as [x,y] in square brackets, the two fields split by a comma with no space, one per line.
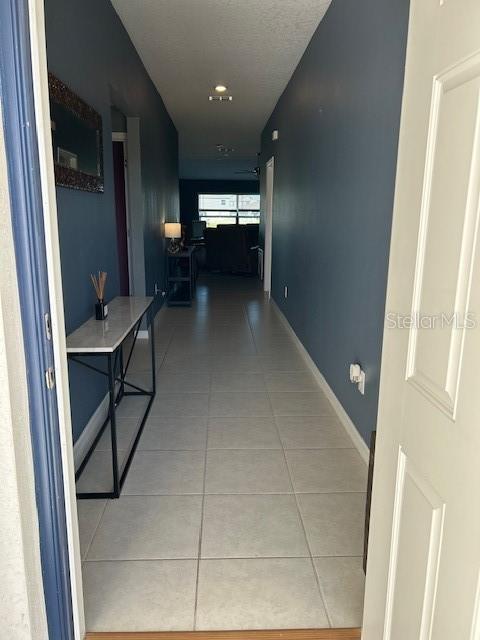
[173,230]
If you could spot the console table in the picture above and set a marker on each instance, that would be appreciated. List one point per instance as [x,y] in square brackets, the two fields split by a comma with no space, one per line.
[181,277]
[107,338]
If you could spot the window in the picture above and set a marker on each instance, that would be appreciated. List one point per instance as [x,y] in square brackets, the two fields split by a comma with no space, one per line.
[229,208]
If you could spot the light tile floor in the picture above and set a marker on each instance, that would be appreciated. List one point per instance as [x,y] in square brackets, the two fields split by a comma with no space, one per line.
[244,504]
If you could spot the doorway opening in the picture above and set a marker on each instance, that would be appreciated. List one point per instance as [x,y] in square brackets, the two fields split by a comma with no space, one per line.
[120,180]
[267,267]
[236,391]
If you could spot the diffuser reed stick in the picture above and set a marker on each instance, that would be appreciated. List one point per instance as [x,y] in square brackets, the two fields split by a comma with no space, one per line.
[101,309]
[99,284]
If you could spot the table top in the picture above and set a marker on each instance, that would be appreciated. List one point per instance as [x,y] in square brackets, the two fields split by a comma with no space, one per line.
[104,336]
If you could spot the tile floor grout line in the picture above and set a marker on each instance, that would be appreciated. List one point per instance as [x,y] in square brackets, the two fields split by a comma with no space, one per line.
[209,558]
[95,530]
[322,592]
[243,493]
[163,358]
[253,338]
[299,513]
[297,415]
[254,493]
[208,373]
[244,449]
[202,512]
[317,578]
[269,392]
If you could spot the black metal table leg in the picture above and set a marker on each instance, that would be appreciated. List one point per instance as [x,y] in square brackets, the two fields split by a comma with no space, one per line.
[191,277]
[151,336]
[113,425]
[122,375]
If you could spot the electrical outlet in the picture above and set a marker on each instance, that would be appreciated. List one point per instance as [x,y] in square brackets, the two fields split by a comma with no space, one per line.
[285,292]
[357,376]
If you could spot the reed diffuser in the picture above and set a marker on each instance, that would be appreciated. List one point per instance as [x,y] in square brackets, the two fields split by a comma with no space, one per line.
[101,309]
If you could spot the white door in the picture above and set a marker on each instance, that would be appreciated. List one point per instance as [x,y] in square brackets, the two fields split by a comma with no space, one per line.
[267,268]
[424,552]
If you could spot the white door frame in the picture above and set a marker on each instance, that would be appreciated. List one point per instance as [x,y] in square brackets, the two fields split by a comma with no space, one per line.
[42,115]
[122,136]
[267,265]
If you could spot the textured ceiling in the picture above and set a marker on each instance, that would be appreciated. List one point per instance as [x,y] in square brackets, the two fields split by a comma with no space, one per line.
[189,46]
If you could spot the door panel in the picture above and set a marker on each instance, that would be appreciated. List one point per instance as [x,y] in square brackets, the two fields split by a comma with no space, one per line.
[423,569]
[418,525]
[451,184]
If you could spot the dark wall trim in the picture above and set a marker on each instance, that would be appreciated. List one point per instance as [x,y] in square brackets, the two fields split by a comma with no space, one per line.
[16,94]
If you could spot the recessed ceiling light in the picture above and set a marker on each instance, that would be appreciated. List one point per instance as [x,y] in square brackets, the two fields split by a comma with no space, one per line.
[220,88]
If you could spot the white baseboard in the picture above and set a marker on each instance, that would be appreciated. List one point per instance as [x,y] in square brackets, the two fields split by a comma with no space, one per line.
[88,435]
[342,415]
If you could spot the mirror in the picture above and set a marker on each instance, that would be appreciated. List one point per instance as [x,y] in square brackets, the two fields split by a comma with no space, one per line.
[76,139]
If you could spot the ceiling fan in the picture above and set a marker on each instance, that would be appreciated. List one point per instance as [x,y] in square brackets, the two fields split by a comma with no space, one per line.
[255,171]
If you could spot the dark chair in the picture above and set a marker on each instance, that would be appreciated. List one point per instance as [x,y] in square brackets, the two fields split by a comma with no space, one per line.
[232,248]
[198,229]
[214,248]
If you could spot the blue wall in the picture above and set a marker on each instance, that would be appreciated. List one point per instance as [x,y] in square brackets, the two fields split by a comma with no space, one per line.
[189,190]
[90,51]
[338,122]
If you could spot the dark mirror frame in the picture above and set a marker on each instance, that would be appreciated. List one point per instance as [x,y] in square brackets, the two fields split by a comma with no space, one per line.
[65,176]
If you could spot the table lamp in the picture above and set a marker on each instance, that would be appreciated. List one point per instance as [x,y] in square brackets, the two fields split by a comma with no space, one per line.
[173,230]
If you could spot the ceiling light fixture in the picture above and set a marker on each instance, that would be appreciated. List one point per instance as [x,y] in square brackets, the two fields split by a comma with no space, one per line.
[220,98]
[220,88]
[224,150]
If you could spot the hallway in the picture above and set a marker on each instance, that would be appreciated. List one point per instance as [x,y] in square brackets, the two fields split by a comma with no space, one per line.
[244,505]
